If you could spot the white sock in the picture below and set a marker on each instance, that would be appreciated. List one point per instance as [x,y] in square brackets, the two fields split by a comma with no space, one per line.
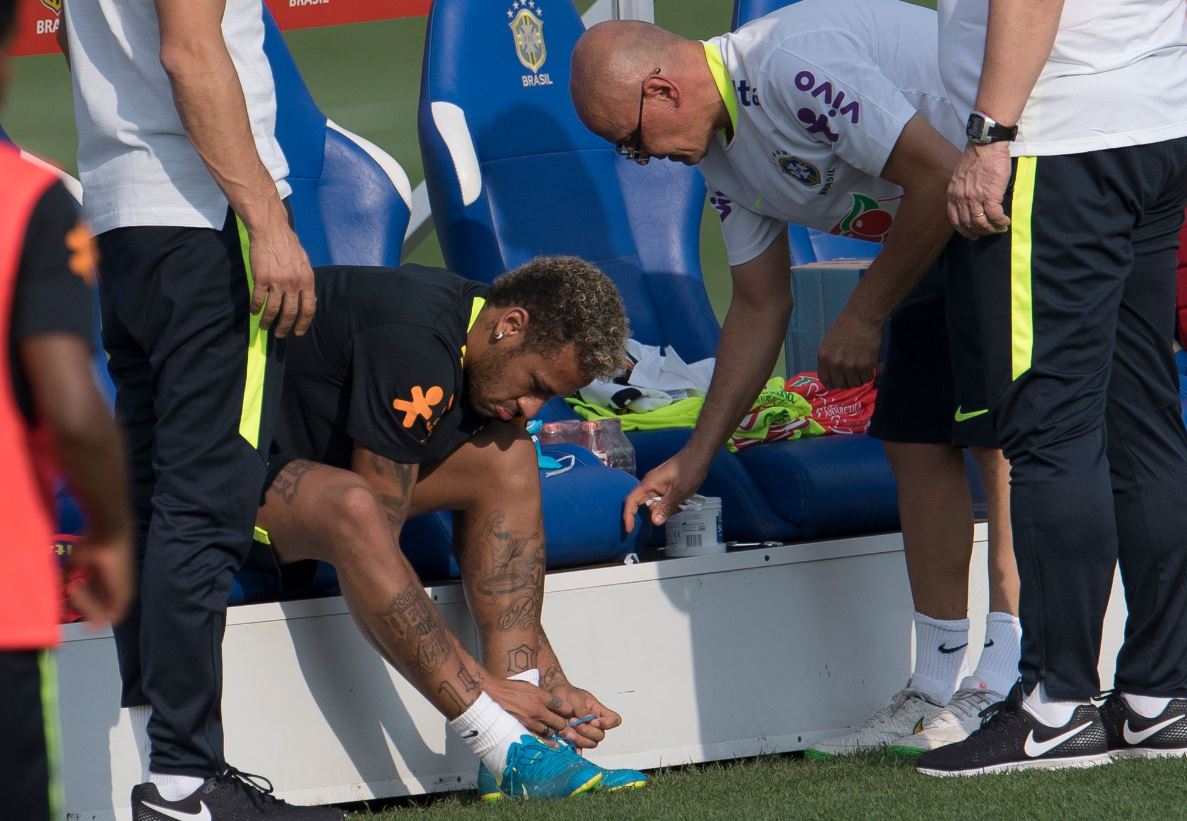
[175,787]
[941,649]
[998,665]
[139,716]
[1146,706]
[489,731]
[531,676]
[1053,712]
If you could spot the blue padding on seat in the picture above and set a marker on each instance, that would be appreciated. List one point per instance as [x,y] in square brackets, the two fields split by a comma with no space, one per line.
[582,520]
[828,485]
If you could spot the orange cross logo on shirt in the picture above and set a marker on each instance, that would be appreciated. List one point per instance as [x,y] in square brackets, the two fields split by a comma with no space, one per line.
[421,404]
[83,253]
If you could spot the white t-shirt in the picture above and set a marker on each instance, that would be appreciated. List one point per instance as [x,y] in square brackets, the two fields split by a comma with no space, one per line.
[821,91]
[1117,74]
[136,164]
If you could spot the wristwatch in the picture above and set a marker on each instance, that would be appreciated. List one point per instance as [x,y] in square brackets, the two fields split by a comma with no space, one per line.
[983,130]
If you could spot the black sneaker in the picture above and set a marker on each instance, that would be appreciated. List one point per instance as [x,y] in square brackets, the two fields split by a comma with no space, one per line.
[231,796]
[1010,738]
[1129,733]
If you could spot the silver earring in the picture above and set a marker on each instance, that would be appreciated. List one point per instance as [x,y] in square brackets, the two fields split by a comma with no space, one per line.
[498,334]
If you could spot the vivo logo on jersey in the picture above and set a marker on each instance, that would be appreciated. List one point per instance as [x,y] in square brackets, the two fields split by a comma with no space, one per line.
[747,94]
[833,98]
[722,203]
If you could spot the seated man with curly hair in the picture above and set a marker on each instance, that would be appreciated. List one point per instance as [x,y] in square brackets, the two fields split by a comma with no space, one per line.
[408,396]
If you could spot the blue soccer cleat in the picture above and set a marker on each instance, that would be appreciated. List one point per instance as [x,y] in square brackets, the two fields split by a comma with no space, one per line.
[536,770]
[611,780]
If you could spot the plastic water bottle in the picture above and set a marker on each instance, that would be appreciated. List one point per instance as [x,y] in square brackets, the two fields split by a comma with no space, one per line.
[622,452]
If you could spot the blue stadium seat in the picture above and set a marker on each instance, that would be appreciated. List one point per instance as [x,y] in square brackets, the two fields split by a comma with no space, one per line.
[513,173]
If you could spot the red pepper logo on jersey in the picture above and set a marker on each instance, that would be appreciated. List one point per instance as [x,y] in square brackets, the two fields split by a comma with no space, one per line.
[867,220]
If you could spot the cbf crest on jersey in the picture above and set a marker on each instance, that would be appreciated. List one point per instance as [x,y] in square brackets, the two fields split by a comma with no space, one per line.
[527,27]
[797,168]
[53,5]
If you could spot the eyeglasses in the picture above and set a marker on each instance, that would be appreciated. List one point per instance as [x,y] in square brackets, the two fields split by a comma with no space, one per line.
[632,147]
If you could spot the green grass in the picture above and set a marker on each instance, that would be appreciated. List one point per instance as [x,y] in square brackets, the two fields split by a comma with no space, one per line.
[872,786]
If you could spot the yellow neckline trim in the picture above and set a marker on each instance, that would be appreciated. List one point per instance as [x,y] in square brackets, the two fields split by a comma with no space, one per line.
[724,87]
[475,309]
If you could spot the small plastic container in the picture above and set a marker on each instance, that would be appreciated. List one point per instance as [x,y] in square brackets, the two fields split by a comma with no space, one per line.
[696,530]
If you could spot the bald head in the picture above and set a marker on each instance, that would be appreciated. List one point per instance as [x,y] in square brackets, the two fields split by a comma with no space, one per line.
[619,62]
[612,58]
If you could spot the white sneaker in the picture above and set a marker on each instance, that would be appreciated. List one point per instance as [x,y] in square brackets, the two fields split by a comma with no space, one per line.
[954,723]
[908,709]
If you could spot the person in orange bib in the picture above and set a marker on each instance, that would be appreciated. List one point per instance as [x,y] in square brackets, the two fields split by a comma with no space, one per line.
[50,410]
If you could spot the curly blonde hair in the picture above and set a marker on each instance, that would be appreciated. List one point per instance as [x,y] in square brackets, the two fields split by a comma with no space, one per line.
[569,302]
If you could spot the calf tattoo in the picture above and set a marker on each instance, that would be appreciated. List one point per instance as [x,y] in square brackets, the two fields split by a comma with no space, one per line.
[521,614]
[414,619]
[517,559]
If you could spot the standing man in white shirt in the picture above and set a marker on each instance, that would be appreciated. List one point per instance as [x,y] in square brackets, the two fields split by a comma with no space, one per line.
[201,277]
[1074,178]
[831,114]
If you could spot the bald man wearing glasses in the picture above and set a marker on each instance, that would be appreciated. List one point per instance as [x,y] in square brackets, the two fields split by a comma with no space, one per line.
[831,114]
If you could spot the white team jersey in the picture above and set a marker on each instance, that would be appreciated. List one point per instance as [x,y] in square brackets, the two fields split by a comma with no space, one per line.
[1117,74]
[821,91]
[136,164]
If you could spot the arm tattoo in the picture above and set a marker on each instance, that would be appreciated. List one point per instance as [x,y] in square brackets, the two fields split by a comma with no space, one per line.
[414,619]
[469,680]
[446,689]
[552,677]
[288,481]
[395,508]
[399,471]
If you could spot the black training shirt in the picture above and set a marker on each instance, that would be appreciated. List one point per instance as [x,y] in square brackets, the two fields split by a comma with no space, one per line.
[381,367]
[52,292]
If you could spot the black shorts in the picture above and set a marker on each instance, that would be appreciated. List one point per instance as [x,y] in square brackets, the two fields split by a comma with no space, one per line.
[30,786]
[931,387]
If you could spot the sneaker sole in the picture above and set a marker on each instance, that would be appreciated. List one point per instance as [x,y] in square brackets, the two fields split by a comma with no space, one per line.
[1148,752]
[1037,764]
[584,788]
[634,785]
[817,755]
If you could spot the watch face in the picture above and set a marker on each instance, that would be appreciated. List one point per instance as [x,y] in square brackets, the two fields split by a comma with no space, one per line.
[976,129]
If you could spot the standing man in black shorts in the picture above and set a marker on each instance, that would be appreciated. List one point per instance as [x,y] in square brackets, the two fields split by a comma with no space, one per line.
[51,410]
[1073,181]
[408,396]
[817,114]
[201,277]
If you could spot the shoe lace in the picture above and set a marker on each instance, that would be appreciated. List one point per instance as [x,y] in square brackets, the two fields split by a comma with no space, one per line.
[256,788]
[1000,710]
[887,714]
[969,703]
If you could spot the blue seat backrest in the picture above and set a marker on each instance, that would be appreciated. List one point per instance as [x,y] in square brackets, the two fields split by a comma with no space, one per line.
[350,200]
[513,173]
